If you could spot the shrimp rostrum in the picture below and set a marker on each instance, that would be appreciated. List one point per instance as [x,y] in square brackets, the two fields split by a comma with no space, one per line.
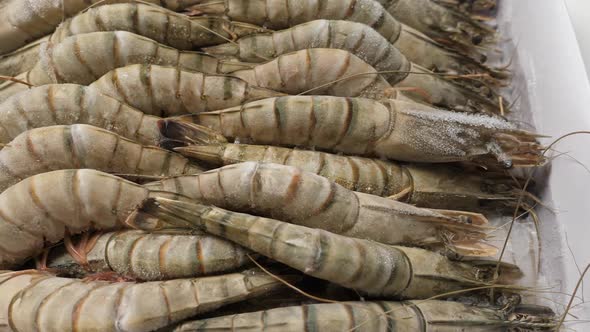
[367,266]
[139,255]
[81,146]
[338,72]
[289,194]
[381,317]
[430,186]
[42,209]
[389,129]
[33,300]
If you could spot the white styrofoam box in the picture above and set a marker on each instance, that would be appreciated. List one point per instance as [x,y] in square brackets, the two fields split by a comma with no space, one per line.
[554,89]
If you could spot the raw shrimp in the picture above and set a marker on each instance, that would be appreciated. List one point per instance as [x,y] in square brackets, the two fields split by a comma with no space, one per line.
[157,23]
[149,256]
[370,267]
[445,25]
[390,129]
[41,209]
[340,73]
[22,21]
[365,316]
[64,104]
[82,146]
[38,301]
[82,59]
[166,91]
[357,38]
[282,14]
[440,187]
[289,194]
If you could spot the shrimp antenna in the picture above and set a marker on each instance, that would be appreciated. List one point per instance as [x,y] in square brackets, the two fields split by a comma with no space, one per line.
[16,80]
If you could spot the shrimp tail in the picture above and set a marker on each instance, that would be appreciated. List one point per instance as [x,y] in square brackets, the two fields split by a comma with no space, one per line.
[207,153]
[179,133]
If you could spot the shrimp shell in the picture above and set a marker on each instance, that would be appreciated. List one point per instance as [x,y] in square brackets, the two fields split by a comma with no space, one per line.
[167,91]
[289,194]
[429,315]
[37,301]
[370,267]
[81,146]
[153,256]
[66,104]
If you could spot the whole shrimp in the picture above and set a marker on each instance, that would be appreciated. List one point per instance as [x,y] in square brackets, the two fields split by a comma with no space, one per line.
[340,73]
[43,209]
[167,91]
[38,301]
[429,315]
[82,59]
[440,186]
[282,14]
[357,38]
[81,146]
[66,104]
[139,255]
[290,194]
[367,266]
[389,129]
[22,21]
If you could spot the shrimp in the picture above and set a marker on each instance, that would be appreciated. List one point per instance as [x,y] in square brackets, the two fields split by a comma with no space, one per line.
[65,104]
[167,91]
[150,256]
[282,14]
[389,129]
[81,146]
[289,194]
[448,26]
[38,301]
[340,73]
[82,59]
[367,266]
[430,315]
[157,23]
[43,208]
[440,187]
[22,21]
[357,38]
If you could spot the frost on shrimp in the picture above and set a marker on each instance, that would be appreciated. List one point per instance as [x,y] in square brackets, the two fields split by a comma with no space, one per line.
[391,129]
[38,301]
[289,194]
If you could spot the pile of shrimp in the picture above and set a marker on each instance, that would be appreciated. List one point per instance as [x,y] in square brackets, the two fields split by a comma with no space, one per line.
[319,165]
